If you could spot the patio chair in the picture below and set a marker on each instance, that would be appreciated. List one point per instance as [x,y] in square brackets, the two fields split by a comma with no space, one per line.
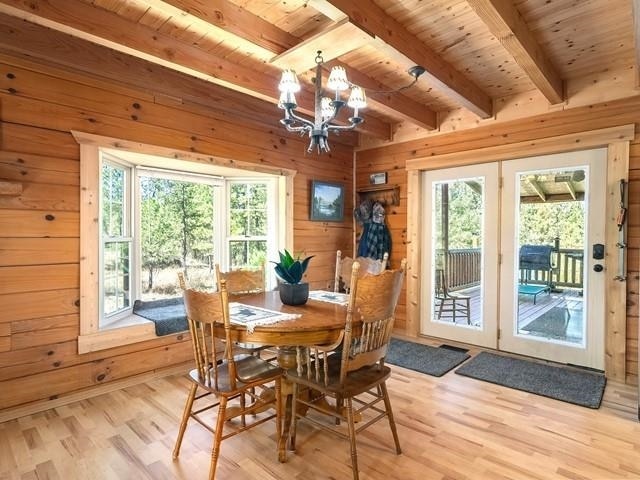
[451,305]
[225,375]
[353,369]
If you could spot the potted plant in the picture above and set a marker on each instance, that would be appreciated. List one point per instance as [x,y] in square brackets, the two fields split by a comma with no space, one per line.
[290,271]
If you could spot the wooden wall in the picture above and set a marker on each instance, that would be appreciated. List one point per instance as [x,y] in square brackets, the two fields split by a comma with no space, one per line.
[392,159]
[39,229]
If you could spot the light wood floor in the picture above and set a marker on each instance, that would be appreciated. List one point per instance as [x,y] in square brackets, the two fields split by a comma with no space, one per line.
[451,427]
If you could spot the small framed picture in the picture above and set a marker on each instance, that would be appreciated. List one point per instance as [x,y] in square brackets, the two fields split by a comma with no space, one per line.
[327,201]
[378,178]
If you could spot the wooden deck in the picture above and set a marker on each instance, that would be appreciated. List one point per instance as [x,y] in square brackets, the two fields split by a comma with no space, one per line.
[549,312]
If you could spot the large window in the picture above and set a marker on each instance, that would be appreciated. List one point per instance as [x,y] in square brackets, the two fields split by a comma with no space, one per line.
[155,223]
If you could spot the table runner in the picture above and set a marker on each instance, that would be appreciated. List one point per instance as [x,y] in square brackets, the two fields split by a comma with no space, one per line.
[331,297]
[251,317]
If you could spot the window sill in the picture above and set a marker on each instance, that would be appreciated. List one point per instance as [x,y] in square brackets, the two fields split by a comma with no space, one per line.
[128,330]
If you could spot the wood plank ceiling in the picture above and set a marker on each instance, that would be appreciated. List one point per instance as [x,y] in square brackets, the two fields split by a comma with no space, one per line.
[474,51]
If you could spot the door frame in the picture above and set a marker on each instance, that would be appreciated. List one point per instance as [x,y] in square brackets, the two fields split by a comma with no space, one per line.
[615,139]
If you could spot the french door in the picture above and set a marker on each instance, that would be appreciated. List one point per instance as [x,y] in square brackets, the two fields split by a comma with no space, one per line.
[509,264]
[460,254]
[552,303]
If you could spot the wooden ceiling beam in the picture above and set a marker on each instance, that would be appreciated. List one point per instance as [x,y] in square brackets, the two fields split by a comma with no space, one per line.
[537,187]
[572,189]
[508,26]
[109,29]
[395,38]
[339,39]
[224,14]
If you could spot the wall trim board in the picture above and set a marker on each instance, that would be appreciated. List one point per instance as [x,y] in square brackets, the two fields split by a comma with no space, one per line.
[558,144]
[41,405]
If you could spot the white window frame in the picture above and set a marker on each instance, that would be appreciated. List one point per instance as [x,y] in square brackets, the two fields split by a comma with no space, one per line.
[91,337]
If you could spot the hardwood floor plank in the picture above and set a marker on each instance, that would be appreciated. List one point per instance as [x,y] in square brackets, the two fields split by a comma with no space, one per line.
[450,427]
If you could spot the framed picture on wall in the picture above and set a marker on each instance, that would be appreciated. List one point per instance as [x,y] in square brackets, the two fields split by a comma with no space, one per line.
[327,201]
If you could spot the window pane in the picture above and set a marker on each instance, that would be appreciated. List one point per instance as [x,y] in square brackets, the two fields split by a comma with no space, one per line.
[113,200]
[238,223]
[257,195]
[238,196]
[176,228]
[116,280]
[258,223]
[250,253]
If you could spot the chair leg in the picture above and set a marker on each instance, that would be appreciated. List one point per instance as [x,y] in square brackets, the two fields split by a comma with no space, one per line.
[294,419]
[392,422]
[215,451]
[440,309]
[185,419]
[352,438]
[339,407]
[282,451]
[243,404]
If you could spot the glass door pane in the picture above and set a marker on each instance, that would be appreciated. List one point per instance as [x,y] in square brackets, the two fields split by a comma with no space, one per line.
[460,254]
[457,217]
[551,243]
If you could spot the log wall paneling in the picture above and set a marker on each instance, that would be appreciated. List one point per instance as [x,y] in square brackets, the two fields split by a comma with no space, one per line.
[40,104]
[531,129]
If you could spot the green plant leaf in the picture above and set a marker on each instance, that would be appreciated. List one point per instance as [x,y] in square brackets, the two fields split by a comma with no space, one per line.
[305,263]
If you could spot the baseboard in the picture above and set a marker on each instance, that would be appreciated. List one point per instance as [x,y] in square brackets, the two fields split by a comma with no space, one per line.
[41,405]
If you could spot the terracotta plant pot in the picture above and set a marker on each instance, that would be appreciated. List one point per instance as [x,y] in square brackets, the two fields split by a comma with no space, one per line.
[294,293]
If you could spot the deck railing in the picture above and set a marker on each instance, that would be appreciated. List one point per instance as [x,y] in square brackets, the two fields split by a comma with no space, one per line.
[464,268]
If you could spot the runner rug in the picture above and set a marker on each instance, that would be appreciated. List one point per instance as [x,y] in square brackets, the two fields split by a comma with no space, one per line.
[434,361]
[568,384]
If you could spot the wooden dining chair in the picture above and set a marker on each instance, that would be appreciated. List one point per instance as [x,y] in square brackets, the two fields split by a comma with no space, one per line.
[353,369]
[225,375]
[367,266]
[245,282]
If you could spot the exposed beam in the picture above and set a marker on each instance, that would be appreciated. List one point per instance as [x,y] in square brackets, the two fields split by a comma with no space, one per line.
[506,23]
[223,14]
[533,181]
[340,38]
[109,29]
[572,189]
[393,36]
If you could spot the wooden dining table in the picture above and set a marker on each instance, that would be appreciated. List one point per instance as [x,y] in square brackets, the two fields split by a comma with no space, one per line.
[319,323]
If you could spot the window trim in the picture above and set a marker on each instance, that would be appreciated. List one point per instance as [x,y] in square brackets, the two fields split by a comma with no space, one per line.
[91,338]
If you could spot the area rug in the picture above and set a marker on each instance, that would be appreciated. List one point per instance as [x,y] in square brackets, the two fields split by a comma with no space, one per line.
[561,383]
[551,324]
[434,361]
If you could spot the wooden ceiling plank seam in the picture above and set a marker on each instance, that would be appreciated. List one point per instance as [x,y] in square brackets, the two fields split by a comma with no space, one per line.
[108,29]
[506,23]
[397,41]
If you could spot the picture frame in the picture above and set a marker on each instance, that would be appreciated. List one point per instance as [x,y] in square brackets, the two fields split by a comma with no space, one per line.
[327,201]
[378,178]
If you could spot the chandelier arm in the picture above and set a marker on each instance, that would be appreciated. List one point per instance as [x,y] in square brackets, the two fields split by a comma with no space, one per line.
[351,126]
[303,121]
[296,129]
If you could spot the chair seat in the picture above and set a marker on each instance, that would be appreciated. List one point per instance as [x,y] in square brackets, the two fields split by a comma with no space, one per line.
[250,369]
[357,381]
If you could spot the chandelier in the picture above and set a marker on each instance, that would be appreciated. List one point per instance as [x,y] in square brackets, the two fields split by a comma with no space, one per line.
[326,108]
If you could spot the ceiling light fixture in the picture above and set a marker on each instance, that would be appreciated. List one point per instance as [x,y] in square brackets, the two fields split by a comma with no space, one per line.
[326,108]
